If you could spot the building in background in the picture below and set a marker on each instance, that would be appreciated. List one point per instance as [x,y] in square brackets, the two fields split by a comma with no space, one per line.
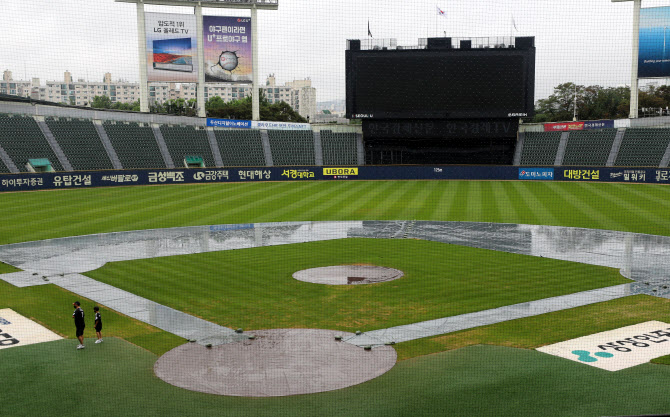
[299,94]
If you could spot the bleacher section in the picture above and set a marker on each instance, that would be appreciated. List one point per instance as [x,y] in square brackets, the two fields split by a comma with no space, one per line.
[22,139]
[80,142]
[339,148]
[3,167]
[292,147]
[135,145]
[643,147]
[540,148]
[184,141]
[589,147]
[240,148]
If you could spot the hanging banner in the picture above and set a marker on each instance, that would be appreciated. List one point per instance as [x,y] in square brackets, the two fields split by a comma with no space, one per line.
[654,56]
[172,47]
[227,45]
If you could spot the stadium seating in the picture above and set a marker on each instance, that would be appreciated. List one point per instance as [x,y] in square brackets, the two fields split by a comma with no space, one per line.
[3,167]
[135,145]
[589,147]
[184,141]
[80,142]
[22,139]
[339,148]
[292,147]
[540,148]
[643,147]
[240,147]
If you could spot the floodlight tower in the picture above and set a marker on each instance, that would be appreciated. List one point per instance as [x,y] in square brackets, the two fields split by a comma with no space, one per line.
[637,5]
[253,5]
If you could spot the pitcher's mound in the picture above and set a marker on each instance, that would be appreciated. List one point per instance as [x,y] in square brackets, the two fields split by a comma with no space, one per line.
[277,363]
[348,274]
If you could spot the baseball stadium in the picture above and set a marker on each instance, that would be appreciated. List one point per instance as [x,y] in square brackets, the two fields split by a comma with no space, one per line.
[472,221]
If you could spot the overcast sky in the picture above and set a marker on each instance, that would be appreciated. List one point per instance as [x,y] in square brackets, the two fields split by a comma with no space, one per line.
[585,41]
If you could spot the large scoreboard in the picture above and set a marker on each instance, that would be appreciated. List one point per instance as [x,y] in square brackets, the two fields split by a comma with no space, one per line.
[441,82]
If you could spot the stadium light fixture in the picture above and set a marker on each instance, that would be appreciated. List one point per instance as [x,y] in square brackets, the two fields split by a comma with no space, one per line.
[636,53]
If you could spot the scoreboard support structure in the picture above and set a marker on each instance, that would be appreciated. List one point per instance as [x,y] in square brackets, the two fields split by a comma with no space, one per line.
[253,5]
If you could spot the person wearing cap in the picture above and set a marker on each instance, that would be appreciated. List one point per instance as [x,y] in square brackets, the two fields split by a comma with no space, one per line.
[79,323]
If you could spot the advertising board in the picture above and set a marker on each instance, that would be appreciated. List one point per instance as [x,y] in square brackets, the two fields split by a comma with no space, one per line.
[172,47]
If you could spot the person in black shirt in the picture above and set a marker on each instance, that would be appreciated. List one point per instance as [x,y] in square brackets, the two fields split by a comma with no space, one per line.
[98,324]
[78,317]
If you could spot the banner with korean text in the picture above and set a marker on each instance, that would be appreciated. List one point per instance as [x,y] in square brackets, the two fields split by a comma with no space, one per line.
[172,47]
[227,45]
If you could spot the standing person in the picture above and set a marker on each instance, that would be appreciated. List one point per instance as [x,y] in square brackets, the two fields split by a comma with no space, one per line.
[98,324]
[79,323]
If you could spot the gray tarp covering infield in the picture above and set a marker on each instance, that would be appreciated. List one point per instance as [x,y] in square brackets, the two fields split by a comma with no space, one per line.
[293,361]
[643,258]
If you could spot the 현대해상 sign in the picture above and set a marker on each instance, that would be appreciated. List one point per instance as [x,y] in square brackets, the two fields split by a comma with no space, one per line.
[16,330]
[617,349]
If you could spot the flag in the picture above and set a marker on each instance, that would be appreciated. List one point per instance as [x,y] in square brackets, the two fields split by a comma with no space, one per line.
[369,33]
[440,12]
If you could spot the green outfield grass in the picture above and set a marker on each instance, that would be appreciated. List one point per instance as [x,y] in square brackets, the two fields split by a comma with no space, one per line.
[254,289]
[116,378]
[40,215]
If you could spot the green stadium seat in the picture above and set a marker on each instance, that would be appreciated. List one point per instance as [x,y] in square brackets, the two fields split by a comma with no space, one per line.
[22,139]
[187,140]
[135,145]
[80,142]
[339,148]
[589,147]
[240,148]
[292,147]
[643,147]
[540,148]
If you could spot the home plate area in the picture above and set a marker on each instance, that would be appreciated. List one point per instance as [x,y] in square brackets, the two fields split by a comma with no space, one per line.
[274,363]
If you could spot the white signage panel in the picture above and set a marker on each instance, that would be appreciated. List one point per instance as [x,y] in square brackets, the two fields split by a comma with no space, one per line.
[16,330]
[616,349]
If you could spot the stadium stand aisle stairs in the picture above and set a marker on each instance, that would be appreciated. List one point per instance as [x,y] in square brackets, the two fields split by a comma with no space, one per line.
[80,142]
[32,146]
[643,147]
[540,148]
[135,145]
[589,147]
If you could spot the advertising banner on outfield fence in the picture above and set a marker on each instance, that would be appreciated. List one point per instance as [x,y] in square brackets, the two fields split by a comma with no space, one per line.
[16,330]
[536,174]
[654,57]
[172,47]
[618,349]
[88,179]
[227,45]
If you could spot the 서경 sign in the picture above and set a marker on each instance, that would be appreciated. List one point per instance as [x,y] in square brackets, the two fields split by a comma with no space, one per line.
[616,349]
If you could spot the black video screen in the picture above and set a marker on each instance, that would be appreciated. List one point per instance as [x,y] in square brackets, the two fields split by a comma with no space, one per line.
[440,84]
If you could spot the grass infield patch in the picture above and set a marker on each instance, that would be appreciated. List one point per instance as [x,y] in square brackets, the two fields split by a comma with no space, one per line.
[254,289]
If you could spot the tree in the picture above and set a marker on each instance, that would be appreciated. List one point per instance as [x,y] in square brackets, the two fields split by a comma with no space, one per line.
[101,102]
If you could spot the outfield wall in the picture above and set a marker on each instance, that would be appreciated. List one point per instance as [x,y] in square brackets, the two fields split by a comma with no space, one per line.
[87,179]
